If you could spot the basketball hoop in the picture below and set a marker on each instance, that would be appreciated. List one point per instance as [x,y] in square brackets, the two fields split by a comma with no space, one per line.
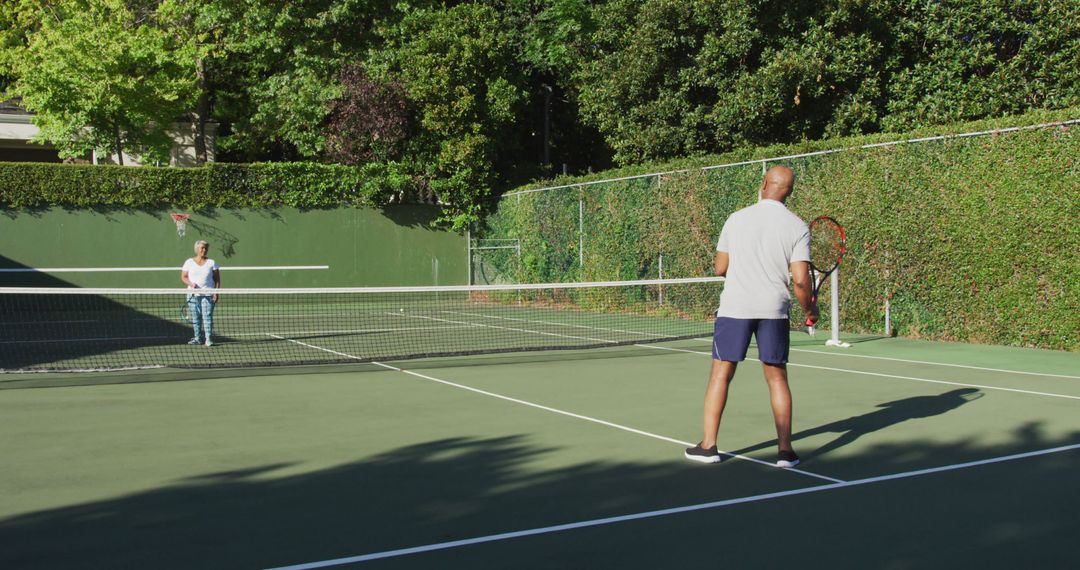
[181,223]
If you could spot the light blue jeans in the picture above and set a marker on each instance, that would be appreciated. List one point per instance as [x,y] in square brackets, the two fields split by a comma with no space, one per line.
[202,315]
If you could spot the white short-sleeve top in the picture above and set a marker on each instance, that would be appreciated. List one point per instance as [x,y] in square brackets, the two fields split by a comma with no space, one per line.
[201,275]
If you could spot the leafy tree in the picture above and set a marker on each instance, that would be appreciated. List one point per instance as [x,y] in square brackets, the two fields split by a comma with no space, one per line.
[550,39]
[369,122]
[960,60]
[276,66]
[99,76]
[458,68]
[18,19]
[669,78]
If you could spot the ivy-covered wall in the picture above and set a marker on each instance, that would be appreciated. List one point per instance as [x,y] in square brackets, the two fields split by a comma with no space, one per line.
[972,239]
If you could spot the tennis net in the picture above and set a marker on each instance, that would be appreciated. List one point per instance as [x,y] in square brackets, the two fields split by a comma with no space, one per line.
[68,329]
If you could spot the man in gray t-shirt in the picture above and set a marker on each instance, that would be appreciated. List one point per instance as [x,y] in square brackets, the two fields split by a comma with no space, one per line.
[762,250]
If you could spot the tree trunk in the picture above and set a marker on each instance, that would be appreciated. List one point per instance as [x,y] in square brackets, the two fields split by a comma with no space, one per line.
[119,147]
[202,109]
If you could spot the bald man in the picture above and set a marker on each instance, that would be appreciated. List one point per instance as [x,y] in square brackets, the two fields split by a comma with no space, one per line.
[762,250]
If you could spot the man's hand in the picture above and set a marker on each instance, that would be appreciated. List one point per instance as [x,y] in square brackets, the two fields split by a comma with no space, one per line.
[813,316]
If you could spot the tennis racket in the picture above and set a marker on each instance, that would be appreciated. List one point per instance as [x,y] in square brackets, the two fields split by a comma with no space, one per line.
[826,251]
[185,310]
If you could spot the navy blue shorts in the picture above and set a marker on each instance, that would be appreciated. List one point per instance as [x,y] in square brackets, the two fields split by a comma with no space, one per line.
[731,338]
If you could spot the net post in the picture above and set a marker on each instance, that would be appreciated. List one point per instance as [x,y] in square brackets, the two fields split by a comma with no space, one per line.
[581,231]
[661,276]
[834,308]
[468,254]
[888,318]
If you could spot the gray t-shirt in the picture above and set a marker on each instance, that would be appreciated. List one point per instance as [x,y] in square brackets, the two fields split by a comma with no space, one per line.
[761,242]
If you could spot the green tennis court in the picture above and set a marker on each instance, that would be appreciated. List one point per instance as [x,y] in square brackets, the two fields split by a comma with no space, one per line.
[915,454]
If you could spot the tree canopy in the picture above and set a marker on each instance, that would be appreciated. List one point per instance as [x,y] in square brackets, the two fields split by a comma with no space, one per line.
[472,96]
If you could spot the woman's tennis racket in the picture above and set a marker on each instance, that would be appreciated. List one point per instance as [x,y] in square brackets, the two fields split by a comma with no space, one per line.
[826,251]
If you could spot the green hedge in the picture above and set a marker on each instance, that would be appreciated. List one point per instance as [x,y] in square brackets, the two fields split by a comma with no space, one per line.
[973,239]
[301,185]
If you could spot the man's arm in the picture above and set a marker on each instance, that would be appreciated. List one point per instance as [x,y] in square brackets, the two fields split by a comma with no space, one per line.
[720,263]
[800,278]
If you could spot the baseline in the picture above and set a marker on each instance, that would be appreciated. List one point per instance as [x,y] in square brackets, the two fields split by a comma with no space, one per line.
[556,410]
[896,376]
[934,363]
[668,512]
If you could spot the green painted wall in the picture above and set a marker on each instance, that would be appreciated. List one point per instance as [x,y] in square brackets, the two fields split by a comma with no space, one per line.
[362,247]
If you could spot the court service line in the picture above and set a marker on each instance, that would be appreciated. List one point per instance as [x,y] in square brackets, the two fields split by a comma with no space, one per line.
[636,333]
[670,511]
[128,269]
[856,371]
[897,376]
[315,347]
[932,363]
[555,410]
[594,420]
[604,340]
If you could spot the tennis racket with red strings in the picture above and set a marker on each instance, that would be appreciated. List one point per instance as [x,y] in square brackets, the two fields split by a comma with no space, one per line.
[826,252]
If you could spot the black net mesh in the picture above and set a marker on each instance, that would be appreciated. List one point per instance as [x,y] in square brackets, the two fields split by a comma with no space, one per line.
[88,329]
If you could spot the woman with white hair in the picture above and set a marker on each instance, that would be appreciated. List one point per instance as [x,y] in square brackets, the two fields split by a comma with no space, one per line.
[201,272]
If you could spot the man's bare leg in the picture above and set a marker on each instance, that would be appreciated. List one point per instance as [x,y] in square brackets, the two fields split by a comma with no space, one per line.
[716,398]
[780,396]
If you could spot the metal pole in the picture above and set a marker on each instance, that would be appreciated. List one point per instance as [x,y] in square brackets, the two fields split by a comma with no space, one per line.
[468,254]
[888,318]
[834,286]
[661,277]
[581,232]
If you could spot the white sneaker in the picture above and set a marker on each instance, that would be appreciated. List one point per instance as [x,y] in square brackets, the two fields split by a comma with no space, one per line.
[209,343]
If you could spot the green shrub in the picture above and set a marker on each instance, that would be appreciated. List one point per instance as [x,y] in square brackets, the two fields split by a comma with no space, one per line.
[973,239]
[298,184]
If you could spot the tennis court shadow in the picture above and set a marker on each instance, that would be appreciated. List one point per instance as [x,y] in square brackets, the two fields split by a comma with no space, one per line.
[412,215]
[41,330]
[52,380]
[224,241]
[461,488]
[889,414]
[244,518]
[540,356]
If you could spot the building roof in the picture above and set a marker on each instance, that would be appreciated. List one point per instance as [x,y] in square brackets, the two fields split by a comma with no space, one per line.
[12,107]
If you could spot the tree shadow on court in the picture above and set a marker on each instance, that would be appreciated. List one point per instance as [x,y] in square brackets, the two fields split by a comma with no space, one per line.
[460,488]
[77,330]
[223,240]
[888,415]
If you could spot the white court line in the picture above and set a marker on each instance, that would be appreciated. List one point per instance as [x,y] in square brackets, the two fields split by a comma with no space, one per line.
[128,269]
[667,512]
[591,419]
[350,331]
[556,410]
[294,333]
[315,347]
[932,363]
[1018,391]
[879,374]
[94,339]
[549,323]
[507,328]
